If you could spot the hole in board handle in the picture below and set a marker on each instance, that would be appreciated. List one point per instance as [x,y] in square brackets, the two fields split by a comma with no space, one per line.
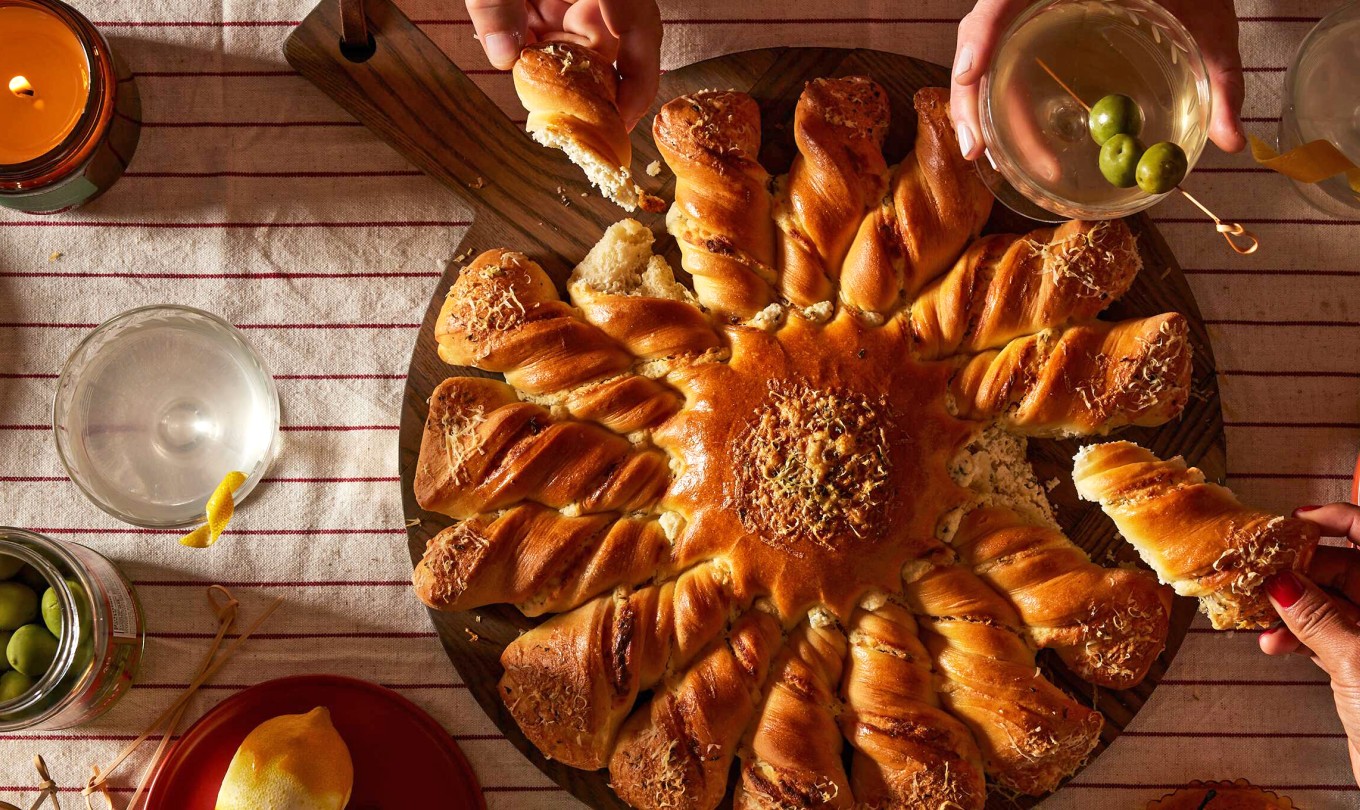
[359,53]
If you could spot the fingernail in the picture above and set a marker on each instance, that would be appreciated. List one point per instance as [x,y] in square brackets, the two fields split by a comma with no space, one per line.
[502,48]
[963,64]
[1284,588]
[965,139]
[1308,508]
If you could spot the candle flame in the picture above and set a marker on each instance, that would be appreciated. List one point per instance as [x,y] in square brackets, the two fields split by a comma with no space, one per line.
[19,86]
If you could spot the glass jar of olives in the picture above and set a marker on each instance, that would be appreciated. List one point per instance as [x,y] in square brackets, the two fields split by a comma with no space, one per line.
[71,629]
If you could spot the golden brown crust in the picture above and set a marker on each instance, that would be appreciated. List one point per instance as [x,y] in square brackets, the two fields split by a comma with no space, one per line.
[503,315]
[1235,795]
[839,126]
[721,217]
[909,753]
[1083,380]
[1032,734]
[537,559]
[1196,535]
[571,681]
[1107,624]
[792,757]
[485,450]
[1006,286]
[571,94]
[676,751]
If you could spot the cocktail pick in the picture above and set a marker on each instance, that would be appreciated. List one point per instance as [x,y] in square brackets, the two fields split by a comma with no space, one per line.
[1232,231]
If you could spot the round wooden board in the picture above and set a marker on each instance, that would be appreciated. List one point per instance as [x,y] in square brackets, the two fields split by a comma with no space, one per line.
[775,77]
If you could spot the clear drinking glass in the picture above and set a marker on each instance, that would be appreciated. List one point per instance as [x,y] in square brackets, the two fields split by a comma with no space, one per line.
[1041,160]
[1322,101]
[155,406]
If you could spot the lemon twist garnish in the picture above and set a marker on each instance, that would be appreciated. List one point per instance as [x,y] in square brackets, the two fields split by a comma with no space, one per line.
[219,511]
[1312,162]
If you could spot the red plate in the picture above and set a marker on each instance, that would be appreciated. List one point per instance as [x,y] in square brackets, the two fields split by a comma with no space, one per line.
[402,757]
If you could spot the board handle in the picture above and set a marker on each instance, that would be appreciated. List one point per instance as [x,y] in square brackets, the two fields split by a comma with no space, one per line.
[402,86]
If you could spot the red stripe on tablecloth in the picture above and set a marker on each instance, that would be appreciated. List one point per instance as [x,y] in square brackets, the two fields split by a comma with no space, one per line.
[1257,271]
[1235,682]
[297,583]
[293,175]
[28,376]
[1272,373]
[243,532]
[43,223]
[25,427]
[1257,221]
[336,428]
[242,276]
[356,479]
[339,376]
[1178,786]
[35,325]
[523,789]
[296,636]
[31,479]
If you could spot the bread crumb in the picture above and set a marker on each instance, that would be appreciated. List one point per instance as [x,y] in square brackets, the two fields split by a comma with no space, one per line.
[412,523]
[654,169]
[56,254]
[1051,484]
[473,637]
[480,182]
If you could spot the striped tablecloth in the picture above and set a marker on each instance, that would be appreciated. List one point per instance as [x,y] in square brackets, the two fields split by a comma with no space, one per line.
[252,195]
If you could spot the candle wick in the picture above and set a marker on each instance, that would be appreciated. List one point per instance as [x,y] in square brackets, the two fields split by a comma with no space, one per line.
[20,86]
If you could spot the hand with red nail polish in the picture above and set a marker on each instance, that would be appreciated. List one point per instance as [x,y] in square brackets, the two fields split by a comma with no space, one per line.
[626,32]
[1321,614]
[1213,23]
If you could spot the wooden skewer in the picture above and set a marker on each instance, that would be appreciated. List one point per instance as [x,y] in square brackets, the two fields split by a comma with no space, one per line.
[1250,242]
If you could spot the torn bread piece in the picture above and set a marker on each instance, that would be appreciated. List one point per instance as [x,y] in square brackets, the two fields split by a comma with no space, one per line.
[571,94]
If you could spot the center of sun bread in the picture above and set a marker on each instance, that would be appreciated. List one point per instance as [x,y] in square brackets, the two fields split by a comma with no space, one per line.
[817,467]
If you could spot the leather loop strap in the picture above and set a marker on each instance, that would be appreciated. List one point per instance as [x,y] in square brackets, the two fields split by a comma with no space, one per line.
[353,24]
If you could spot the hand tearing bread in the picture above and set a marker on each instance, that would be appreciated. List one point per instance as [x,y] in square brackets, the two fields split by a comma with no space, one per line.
[571,94]
[1196,535]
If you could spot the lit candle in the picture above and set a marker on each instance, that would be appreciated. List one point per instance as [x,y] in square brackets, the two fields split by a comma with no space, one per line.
[48,76]
[69,110]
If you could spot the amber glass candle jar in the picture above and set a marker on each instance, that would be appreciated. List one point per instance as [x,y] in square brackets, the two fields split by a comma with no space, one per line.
[69,111]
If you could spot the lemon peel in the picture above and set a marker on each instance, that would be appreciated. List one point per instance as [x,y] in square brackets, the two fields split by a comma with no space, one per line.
[219,510]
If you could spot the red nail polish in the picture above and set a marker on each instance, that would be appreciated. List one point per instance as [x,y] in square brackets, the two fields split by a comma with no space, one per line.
[1284,588]
[1308,508]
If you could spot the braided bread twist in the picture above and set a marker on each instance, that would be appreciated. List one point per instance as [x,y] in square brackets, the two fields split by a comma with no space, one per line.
[909,752]
[571,681]
[1083,380]
[839,126]
[721,216]
[1006,286]
[1196,535]
[792,757]
[571,94]
[1107,624]
[676,751]
[485,450]
[1031,733]
[503,314]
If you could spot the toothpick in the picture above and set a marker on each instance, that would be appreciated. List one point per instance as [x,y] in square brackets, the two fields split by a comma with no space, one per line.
[1228,229]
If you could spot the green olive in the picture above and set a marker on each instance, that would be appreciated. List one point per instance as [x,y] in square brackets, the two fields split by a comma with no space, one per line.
[9,566]
[18,605]
[51,611]
[5,636]
[1119,160]
[1114,115]
[14,684]
[31,650]
[1162,167]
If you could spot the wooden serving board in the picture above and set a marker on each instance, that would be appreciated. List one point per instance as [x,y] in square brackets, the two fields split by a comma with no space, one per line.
[530,199]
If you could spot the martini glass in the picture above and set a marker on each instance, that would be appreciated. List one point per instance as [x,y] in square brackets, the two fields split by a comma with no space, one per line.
[1056,59]
[155,406]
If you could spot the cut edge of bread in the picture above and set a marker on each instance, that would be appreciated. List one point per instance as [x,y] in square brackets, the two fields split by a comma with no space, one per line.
[622,263]
[614,182]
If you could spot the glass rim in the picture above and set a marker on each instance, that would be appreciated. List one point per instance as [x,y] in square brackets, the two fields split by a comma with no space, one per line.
[64,384]
[1061,206]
